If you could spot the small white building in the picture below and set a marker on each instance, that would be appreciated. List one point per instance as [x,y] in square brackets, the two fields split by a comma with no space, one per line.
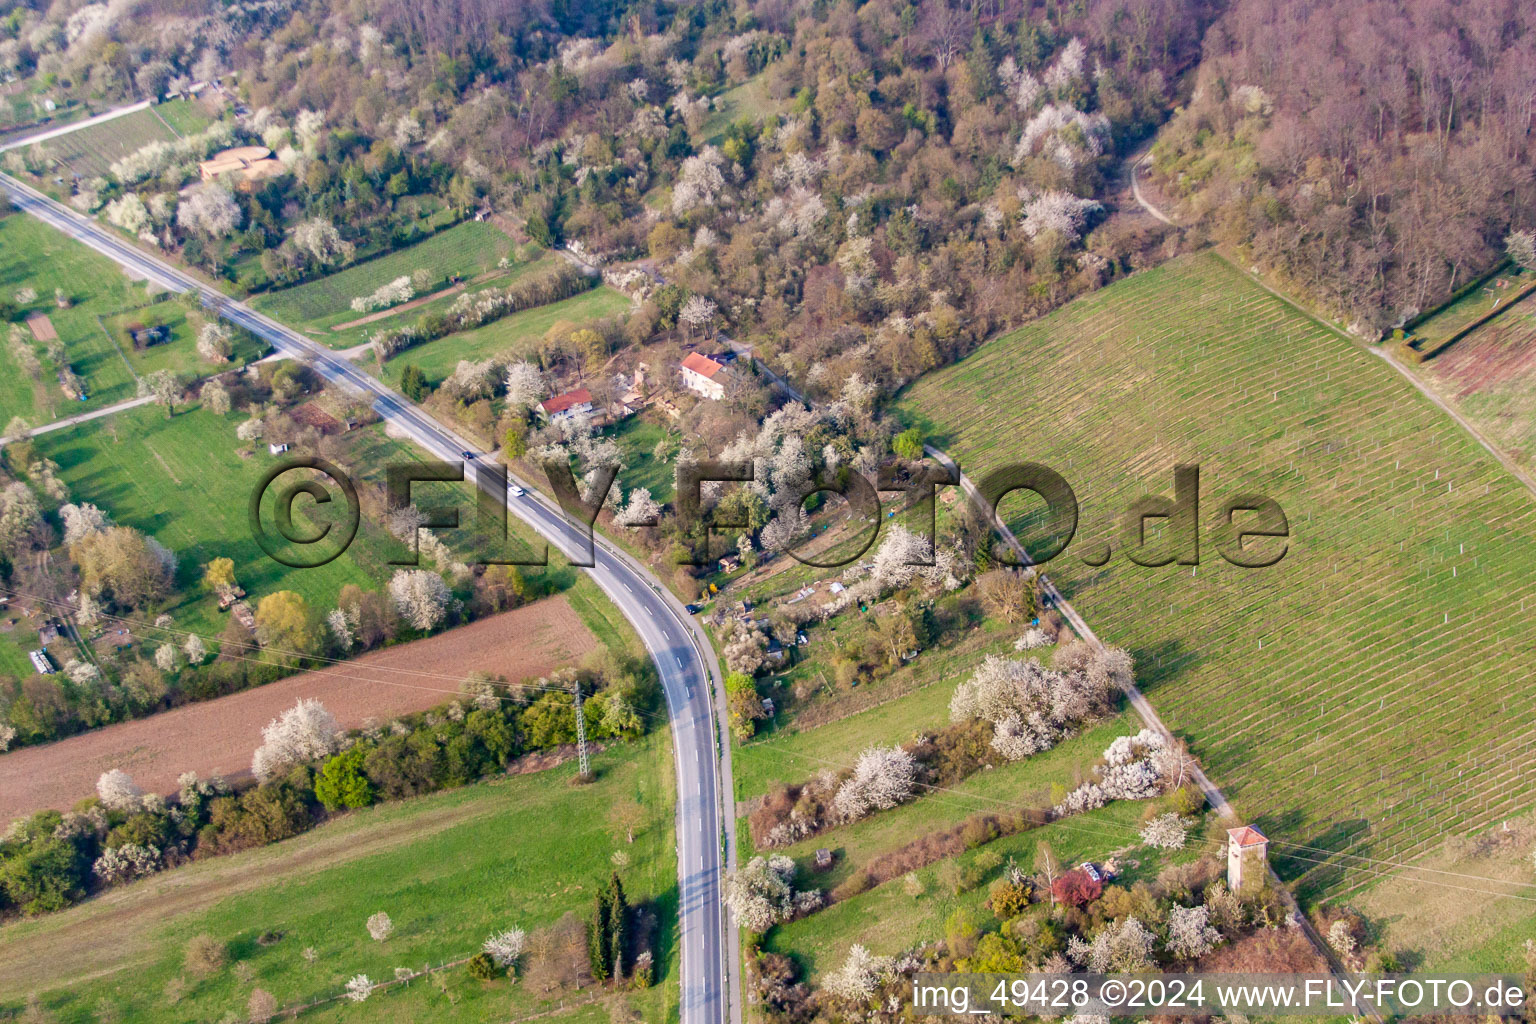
[703,376]
[277,449]
[1247,854]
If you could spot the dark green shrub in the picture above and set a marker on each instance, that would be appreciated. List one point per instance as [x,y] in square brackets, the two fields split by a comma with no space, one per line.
[481,967]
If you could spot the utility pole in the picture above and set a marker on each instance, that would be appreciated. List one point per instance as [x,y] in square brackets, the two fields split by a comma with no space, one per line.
[581,732]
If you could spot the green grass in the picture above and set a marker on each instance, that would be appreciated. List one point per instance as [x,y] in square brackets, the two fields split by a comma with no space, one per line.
[515,335]
[1488,376]
[357,335]
[1493,293]
[36,256]
[466,249]
[1023,784]
[179,355]
[791,753]
[186,117]
[91,151]
[638,437]
[748,101]
[888,921]
[1354,696]
[449,869]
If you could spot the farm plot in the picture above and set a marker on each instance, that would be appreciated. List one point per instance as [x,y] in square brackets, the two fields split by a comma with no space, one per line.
[450,869]
[1478,302]
[217,737]
[183,481]
[1490,375]
[516,335]
[91,151]
[36,259]
[889,919]
[464,250]
[1355,697]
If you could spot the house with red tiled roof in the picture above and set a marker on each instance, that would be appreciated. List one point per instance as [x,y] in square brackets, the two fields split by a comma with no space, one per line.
[704,376]
[1247,853]
[572,403]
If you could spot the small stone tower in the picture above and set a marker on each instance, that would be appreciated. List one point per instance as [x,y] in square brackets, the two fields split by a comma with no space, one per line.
[1247,854]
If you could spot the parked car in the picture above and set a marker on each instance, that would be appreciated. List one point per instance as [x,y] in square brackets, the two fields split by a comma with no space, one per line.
[694,609]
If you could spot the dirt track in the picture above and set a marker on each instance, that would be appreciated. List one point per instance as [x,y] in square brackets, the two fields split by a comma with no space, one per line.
[217,737]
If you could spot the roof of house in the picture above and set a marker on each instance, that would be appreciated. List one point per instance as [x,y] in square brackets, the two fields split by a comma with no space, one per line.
[254,161]
[1247,836]
[702,365]
[560,403]
[264,169]
[42,328]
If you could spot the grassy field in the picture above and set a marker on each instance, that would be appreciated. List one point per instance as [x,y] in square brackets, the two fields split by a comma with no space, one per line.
[888,920]
[514,335]
[89,152]
[33,255]
[1027,783]
[1354,697]
[179,355]
[1490,377]
[1474,304]
[466,250]
[1439,924]
[748,101]
[638,437]
[449,869]
[182,481]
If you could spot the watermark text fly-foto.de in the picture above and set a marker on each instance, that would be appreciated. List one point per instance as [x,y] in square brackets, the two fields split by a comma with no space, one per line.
[1246,529]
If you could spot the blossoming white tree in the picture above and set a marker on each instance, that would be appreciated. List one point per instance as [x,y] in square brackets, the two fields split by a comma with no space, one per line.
[214,342]
[525,386]
[762,893]
[640,509]
[421,597]
[209,210]
[305,732]
[380,927]
[856,980]
[118,791]
[882,778]
[1165,832]
[506,947]
[319,238]
[1190,933]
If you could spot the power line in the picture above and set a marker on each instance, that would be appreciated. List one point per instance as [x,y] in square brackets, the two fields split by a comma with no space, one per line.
[1397,868]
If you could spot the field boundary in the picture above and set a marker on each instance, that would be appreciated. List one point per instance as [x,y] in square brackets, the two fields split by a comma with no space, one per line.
[1381,351]
[1149,715]
[385,314]
[1425,354]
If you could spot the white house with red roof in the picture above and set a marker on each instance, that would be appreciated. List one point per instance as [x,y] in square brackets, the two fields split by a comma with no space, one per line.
[572,403]
[704,376]
[1248,848]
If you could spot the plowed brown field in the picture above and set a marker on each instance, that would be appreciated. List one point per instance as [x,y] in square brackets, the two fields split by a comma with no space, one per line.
[218,737]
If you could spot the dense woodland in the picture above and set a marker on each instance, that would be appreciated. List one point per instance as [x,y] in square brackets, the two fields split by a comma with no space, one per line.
[1375,154]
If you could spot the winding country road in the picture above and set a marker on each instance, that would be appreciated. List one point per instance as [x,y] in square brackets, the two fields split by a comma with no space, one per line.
[684,659]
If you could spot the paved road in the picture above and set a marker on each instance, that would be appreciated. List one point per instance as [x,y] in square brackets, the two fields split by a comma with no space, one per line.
[688,670]
[1138,700]
[95,414]
[75,126]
